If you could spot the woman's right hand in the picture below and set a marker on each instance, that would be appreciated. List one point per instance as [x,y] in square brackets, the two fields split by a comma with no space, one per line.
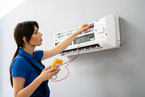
[48,73]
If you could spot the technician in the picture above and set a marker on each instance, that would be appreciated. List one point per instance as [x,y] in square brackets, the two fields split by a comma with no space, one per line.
[28,76]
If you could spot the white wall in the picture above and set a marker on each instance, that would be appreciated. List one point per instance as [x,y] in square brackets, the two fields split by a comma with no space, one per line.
[112,73]
[8,5]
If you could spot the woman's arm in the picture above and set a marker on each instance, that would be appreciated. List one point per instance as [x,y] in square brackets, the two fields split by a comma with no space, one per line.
[18,82]
[20,91]
[65,43]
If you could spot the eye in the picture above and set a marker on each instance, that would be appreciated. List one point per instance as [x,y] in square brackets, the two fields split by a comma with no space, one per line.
[35,32]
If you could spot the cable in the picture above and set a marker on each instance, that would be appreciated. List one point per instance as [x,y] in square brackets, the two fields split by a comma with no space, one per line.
[70,60]
[53,79]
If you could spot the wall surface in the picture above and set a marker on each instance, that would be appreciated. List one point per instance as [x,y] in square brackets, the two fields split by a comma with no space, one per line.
[111,73]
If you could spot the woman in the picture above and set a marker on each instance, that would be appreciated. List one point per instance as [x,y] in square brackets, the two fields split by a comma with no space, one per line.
[29,77]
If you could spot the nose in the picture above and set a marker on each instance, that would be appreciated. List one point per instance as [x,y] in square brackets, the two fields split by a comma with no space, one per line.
[40,34]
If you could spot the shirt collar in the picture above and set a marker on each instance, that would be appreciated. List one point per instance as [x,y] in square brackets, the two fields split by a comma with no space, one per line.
[24,53]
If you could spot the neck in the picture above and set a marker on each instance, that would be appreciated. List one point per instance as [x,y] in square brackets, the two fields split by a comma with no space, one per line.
[29,49]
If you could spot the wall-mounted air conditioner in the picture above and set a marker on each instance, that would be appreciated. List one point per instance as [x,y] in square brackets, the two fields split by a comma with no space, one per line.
[103,34]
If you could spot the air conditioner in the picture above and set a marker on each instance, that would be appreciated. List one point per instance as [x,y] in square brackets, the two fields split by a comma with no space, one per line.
[103,34]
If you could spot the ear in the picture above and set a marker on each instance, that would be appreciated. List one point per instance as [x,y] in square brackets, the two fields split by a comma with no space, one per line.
[25,39]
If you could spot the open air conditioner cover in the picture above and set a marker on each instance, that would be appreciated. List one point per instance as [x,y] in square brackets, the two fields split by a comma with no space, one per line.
[103,34]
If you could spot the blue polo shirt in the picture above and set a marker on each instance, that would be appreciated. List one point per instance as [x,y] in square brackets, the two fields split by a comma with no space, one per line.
[22,68]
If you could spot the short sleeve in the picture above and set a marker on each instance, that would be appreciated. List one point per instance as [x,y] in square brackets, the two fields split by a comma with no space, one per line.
[20,68]
[39,54]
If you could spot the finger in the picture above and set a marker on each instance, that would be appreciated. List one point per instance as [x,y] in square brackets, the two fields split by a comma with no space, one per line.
[56,67]
[48,67]
[86,25]
[86,28]
[55,72]
[53,69]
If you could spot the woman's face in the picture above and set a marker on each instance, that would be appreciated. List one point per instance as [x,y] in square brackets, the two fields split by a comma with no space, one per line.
[36,39]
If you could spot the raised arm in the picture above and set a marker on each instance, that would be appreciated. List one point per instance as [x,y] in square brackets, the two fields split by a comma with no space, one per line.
[64,44]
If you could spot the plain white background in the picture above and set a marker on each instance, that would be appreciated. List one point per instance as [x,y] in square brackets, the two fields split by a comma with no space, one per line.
[111,73]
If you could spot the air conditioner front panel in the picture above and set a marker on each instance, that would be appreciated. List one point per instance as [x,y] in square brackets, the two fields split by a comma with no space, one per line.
[103,34]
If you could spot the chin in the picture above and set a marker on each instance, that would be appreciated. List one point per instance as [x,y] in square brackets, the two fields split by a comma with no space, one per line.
[39,44]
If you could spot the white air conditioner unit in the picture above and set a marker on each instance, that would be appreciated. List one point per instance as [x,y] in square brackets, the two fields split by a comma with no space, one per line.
[103,34]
